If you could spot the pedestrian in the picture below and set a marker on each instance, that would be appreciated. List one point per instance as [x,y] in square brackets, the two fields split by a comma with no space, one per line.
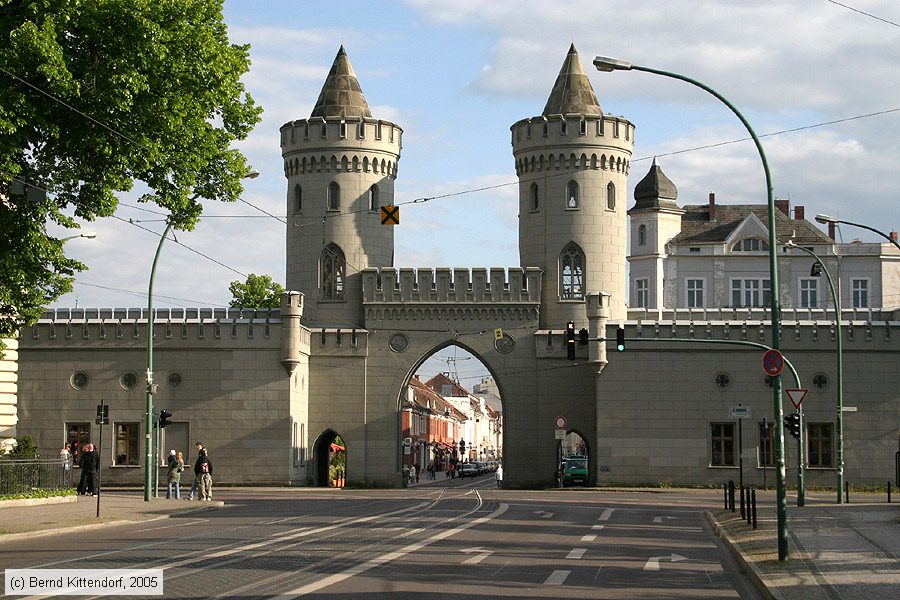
[89,463]
[65,456]
[203,470]
[498,474]
[417,469]
[176,466]
[196,481]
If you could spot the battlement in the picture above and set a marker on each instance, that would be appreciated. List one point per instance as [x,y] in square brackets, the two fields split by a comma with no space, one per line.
[762,315]
[305,135]
[461,285]
[161,315]
[597,131]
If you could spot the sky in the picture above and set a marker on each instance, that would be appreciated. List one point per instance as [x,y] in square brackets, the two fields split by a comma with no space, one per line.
[818,75]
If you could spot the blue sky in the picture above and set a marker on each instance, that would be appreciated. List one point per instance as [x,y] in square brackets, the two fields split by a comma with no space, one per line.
[455,75]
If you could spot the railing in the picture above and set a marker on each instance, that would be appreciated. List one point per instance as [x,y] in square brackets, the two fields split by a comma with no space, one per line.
[21,476]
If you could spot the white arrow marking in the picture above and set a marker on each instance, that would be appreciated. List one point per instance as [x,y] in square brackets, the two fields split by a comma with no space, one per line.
[557,577]
[576,553]
[480,555]
[606,514]
[660,519]
[543,514]
[653,563]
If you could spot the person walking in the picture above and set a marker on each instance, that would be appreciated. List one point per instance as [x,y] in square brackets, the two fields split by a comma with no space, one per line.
[417,470]
[203,470]
[65,457]
[196,481]
[176,466]
[498,474]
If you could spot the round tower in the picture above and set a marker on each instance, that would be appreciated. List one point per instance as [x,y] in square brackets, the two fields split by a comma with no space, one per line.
[572,162]
[340,164]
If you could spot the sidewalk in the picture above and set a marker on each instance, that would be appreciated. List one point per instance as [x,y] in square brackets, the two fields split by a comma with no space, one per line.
[847,551]
[115,507]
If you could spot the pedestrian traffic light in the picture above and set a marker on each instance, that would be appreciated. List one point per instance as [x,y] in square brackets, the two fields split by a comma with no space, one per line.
[620,339]
[583,337]
[570,340]
[792,424]
[164,417]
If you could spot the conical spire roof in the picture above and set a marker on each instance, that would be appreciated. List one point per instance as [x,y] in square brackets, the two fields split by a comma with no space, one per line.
[341,95]
[655,190]
[572,92]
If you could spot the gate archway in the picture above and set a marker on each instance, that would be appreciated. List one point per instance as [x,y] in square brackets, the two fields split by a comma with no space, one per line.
[330,459]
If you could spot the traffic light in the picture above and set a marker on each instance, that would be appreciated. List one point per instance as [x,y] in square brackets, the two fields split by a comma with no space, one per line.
[792,424]
[462,447]
[570,340]
[620,339]
[164,417]
[583,337]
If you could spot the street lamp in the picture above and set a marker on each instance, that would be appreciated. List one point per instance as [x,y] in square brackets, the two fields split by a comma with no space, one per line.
[87,235]
[606,64]
[826,219]
[840,365]
[150,463]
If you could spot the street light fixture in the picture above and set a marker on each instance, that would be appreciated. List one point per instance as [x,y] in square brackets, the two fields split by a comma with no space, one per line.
[824,219]
[840,364]
[607,64]
[87,235]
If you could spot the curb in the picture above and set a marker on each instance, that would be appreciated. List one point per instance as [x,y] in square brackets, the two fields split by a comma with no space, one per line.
[38,501]
[748,565]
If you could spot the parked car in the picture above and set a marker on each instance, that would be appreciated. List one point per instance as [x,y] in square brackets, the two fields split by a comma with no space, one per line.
[468,470]
[575,470]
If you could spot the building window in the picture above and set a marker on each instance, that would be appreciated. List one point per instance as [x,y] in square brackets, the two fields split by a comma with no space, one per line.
[694,250]
[642,293]
[78,435]
[766,444]
[535,197]
[446,390]
[343,130]
[334,196]
[128,380]
[722,444]
[642,235]
[373,197]
[324,130]
[819,441]
[750,245]
[582,127]
[361,130]
[809,293]
[695,297]
[571,271]
[127,452]
[610,196]
[572,195]
[378,130]
[79,380]
[333,267]
[750,293]
[860,293]
[298,198]
[820,380]
[563,127]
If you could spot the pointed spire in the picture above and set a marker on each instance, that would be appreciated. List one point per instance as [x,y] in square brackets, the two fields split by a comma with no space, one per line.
[655,190]
[341,95]
[572,92]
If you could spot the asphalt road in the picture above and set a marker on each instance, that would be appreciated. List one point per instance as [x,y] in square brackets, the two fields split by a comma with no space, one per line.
[459,539]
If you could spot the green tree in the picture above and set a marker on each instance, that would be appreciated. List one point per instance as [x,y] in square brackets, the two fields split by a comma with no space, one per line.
[259,291]
[25,448]
[95,96]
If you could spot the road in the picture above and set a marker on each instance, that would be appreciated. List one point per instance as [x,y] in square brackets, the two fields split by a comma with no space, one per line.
[444,540]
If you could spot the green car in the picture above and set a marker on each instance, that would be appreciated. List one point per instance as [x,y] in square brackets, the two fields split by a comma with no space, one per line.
[575,470]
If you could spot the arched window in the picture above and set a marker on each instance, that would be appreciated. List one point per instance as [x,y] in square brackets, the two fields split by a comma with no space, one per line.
[572,195]
[334,196]
[373,198]
[610,196]
[298,198]
[535,198]
[571,273]
[642,235]
[332,267]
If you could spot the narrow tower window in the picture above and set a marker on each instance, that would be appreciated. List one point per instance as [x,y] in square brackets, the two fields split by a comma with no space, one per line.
[642,235]
[535,197]
[373,198]
[571,273]
[334,196]
[332,266]
[298,198]
[611,196]
[572,195]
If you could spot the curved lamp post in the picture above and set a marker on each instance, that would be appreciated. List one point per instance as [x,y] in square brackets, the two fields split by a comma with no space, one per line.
[840,369]
[611,64]
[826,219]
[87,235]
[150,463]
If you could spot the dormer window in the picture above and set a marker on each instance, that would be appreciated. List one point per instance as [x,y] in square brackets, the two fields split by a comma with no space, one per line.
[750,245]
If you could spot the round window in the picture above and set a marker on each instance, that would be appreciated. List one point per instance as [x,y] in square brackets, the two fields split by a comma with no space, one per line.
[175,380]
[79,380]
[820,380]
[399,342]
[505,344]
[723,380]
[128,380]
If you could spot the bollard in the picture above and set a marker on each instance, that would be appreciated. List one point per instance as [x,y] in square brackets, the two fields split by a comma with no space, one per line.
[847,492]
[743,511]
[749,512]
[731,494]
[889,492]
[753,505]
[725,493]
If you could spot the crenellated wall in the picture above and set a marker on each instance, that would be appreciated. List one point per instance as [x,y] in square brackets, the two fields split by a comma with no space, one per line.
[478,285]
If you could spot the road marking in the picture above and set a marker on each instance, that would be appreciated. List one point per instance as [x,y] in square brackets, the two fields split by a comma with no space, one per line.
[653,563]
[543,514]
[660,519]
[480,555]
[588,538]
[597,527]
[170,526]
[576,553]
[606,514]
[386,558]
[557,577]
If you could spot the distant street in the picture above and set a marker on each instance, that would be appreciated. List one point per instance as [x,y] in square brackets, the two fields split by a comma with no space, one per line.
[448,539]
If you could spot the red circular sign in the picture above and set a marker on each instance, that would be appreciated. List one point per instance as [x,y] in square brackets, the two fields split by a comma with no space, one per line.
[773,362]
[560,422]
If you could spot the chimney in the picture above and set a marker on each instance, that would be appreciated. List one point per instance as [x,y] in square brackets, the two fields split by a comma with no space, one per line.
[894,236]
[799,213]
[831,226]
[784,206]
[712,206]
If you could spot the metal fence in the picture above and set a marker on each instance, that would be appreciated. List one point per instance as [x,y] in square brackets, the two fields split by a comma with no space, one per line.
[20,476]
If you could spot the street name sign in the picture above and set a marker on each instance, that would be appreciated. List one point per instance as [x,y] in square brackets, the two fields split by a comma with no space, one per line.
[740,412]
